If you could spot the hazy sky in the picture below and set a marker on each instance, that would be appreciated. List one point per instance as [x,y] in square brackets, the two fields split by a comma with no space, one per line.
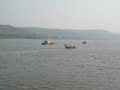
[74,14]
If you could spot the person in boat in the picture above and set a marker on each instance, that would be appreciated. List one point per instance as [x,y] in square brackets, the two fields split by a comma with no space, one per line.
[46,41]
[65,45]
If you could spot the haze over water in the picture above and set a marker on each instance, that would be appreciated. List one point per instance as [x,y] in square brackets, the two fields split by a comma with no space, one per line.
[63,14]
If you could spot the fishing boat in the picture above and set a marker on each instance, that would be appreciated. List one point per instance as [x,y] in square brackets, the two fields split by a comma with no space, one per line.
[70,46]
[84,42]
[48,42]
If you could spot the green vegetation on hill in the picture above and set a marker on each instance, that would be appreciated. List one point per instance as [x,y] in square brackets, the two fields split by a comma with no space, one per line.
[7,31]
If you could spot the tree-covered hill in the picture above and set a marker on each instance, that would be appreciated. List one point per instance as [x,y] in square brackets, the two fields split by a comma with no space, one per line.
[8,31]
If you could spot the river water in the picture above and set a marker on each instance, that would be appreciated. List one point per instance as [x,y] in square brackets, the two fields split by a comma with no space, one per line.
[27,65]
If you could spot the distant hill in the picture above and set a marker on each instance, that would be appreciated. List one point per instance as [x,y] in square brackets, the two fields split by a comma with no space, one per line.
[8,31]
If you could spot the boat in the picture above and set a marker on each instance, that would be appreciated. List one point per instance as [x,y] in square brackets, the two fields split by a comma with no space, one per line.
[70,46]
[48,42]
[84,42]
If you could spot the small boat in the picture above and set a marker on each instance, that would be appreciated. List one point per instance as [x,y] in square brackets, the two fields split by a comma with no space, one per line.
[84,42]
[48,42]
[70,47]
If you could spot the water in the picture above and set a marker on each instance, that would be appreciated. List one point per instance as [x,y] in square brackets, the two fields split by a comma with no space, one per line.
[27,65]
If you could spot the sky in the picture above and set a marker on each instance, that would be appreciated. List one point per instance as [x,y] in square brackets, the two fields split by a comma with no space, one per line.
[63,14]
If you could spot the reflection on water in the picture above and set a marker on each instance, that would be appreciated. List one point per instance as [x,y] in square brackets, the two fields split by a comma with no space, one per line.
[27,65]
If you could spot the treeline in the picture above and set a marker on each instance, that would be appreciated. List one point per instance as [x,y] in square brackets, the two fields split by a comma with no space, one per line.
[7,31]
